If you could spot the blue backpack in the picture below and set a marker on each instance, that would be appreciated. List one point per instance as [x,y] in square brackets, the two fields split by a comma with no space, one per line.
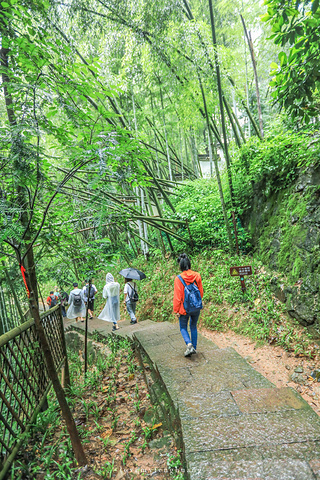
[192,298]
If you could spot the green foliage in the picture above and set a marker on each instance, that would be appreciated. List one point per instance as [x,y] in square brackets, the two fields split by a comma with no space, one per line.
[56,123]
[174,464]
[198,202]
[296,78]
[257,313]
[267,166]
[271,165]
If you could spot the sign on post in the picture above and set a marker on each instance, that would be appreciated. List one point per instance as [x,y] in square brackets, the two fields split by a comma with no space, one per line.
[241,272]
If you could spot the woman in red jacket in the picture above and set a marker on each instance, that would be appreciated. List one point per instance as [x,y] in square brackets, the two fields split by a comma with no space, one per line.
[188,276]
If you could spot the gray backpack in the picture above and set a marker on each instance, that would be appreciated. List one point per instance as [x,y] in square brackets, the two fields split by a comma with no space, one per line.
[77,300]
[133,295]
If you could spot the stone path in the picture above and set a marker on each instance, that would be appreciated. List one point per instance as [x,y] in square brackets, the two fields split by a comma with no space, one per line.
[230,421]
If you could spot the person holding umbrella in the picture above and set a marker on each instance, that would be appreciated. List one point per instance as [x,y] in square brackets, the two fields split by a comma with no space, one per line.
[131,296]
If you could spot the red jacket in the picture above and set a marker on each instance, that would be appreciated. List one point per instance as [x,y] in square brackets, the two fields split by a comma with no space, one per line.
[178,297]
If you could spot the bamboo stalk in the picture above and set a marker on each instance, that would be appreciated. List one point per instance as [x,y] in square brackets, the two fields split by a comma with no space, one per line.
[165,196]
[160,215]
[223,206]
[17,303]
[224,133]
[160,239]
[166,138]
[254,65]
[210,154]
[160,219]
[255,126]
[234,129]
[239,126]
[141,238]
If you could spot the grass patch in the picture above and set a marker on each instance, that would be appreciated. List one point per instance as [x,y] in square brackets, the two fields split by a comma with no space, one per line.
[257,313]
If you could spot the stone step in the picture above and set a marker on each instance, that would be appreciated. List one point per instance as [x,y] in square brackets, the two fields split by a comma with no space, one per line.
[105,328]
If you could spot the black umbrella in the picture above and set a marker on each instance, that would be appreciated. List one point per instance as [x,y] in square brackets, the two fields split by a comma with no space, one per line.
[132,273]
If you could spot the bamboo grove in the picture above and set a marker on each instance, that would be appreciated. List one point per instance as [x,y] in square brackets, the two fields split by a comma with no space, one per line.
[106,107]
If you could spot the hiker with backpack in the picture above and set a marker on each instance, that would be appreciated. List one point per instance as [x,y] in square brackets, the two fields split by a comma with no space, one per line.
[187,302]
[77,308]
[64,301]
[111,311]
[52,300]
[130,299]
[89,297]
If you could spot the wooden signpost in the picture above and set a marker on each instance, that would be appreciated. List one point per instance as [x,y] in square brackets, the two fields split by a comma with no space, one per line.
[241,272]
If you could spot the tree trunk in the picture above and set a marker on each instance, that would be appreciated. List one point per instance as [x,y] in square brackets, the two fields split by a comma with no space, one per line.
[145,227]
[255,126]
[31,283]
[233,126]
[139,201]
[196,155]
[223,205]
[166,138]
[254,65]
[210,153]
[66,412]
[155,137]
[239,126]
[224,133]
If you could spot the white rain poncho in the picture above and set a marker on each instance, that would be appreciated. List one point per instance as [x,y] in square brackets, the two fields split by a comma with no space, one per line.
[111,292]
[75,311]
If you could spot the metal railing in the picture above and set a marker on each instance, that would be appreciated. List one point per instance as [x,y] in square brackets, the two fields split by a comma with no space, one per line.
[24,380]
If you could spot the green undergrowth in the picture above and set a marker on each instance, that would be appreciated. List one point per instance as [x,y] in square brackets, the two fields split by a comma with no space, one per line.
[44,453]
[256,313]
[47,450]
[271,165]
[114,417]
[274,163]
[198,202]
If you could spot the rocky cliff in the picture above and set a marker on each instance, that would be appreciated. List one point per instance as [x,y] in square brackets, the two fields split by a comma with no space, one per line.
[285,229]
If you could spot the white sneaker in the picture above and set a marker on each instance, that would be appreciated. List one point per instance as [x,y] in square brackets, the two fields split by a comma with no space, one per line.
[190,350]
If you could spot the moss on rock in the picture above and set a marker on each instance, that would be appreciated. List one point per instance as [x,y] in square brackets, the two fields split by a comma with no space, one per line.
[285,229]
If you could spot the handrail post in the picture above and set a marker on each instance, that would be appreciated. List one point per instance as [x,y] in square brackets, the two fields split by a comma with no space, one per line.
[65,373]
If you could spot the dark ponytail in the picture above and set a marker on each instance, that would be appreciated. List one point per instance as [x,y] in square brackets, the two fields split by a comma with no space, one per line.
[184,262]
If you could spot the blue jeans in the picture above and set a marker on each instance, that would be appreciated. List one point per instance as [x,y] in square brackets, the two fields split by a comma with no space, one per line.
[183,321]
[131,309]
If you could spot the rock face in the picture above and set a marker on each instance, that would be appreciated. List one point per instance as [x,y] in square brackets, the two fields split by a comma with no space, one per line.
[285,230]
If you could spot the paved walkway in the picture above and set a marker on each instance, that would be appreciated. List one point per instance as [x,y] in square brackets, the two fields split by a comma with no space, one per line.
[230,421]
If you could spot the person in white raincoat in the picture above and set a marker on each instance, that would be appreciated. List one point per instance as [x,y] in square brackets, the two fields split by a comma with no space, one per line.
[111,311]
[77,307]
